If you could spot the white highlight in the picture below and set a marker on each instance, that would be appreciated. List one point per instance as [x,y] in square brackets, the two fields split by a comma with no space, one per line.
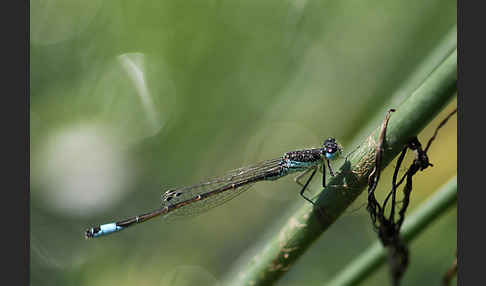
[133,64]
[81,171]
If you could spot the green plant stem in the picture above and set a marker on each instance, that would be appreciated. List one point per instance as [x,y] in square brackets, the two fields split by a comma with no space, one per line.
[374,256]
[307,223]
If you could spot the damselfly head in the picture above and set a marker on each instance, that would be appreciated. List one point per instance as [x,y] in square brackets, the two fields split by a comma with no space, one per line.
[331,149]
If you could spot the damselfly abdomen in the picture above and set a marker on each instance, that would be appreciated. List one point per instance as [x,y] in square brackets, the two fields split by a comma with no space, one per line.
[199,198]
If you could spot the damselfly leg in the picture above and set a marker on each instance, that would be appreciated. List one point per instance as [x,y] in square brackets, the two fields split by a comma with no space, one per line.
[301,175]
[307,183]
[314,169]
[331,172]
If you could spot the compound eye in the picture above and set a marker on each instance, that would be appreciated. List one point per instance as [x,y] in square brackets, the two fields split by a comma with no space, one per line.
[330,144]
[331,148]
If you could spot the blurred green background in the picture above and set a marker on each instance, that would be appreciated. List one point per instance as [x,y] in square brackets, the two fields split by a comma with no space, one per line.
[130,98]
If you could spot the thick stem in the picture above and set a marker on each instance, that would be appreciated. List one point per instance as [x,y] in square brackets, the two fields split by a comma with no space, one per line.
[308,223]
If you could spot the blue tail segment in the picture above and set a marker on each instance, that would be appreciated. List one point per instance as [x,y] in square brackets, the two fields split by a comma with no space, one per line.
[102,230]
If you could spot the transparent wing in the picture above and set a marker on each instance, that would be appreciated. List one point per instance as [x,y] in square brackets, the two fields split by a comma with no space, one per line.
[241,175]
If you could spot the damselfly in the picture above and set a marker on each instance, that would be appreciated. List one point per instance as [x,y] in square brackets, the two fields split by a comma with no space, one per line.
[199,198]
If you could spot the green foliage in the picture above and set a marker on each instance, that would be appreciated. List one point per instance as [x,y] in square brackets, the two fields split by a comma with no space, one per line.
[129,98]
